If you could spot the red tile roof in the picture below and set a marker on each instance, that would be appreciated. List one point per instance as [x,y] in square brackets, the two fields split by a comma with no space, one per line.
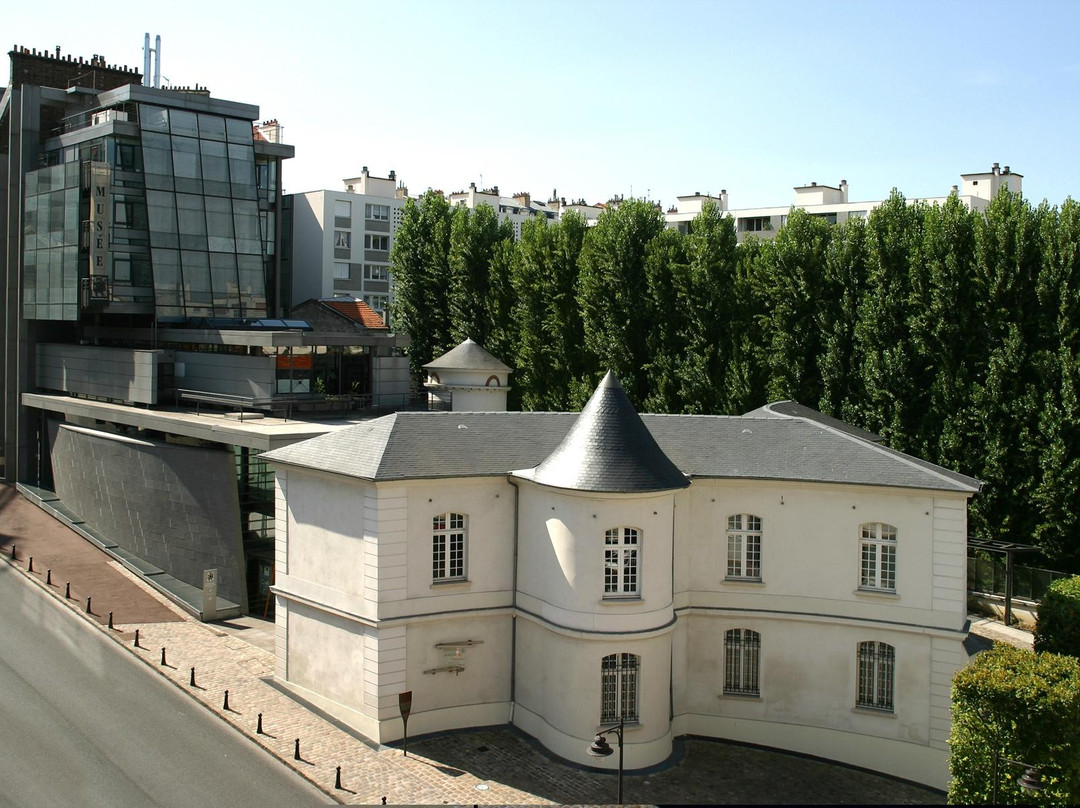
[357,310]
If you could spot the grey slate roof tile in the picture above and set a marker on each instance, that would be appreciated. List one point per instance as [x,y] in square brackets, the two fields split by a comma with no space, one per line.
[432,445]
[609,449]
[468,355]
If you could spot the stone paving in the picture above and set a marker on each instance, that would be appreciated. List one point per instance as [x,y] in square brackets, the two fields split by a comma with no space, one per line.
[490,766]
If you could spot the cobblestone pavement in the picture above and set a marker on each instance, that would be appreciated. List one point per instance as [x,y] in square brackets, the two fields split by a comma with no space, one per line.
[493,766]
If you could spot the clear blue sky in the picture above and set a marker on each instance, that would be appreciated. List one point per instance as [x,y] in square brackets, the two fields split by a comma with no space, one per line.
[602,98]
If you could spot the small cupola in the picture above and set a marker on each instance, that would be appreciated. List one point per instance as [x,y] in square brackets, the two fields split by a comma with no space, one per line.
[609,449]
[467,379]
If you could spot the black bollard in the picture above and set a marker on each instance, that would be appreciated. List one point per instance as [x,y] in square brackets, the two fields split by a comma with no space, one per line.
[296,751]
[337,778]
[30,564]
[163,656]
[225,706]
[137,638]
[193,677]
[384,800]
[110,620]
[88,609]
[48,577]
[67,590]
[258,730]
[13,553]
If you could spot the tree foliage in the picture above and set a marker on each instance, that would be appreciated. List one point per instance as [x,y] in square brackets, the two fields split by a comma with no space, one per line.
[952,333]
[1023,706]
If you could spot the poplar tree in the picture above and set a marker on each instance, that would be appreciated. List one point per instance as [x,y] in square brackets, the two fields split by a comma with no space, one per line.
[613,292]
[421,273]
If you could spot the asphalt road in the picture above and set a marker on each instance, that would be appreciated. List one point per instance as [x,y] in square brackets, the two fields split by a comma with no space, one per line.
[82,723]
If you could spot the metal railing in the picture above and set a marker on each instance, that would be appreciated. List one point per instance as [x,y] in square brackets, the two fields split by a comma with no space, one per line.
[987,576]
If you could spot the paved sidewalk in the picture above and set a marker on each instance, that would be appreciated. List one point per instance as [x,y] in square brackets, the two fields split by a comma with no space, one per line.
[493,766]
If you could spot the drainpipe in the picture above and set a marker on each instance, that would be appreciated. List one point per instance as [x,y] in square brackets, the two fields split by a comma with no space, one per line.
[513,612]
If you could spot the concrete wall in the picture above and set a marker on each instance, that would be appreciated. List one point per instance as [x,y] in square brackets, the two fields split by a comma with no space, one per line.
[118,373]
[390,381]
[174,506]
[233,374]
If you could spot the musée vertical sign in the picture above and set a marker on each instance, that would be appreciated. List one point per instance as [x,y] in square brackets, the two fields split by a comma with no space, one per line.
[100,218]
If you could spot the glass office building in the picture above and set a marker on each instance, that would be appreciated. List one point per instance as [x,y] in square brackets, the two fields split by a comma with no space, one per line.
[154,203]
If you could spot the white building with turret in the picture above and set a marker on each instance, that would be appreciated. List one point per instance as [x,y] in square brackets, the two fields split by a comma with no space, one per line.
[779,578]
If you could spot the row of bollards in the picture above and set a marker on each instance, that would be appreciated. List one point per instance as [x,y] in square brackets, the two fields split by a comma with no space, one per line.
[191,681]
[259,718]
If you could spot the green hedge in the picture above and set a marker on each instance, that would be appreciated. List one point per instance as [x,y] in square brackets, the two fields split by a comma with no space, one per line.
[1058,627]
[1026,706]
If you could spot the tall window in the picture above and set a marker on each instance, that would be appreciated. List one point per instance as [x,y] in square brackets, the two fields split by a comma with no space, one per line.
[448,537]
[744,546]
[742,656]
[341,272]
[619,688]
[621,577]
[342,238]
[877,663]
[877,549]
[342,208]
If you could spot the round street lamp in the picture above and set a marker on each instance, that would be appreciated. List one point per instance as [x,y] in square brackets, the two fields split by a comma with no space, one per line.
[601,748]
[1030,780]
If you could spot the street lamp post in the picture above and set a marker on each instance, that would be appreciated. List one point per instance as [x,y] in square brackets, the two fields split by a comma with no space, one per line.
[1029,781]
[601,748]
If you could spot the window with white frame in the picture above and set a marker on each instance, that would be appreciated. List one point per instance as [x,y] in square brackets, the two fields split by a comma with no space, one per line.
[376,272]
[877,667]
[379,303]
[342,238]
[744,547]
[378,212]
[742,657]
[877,551]
[376,242]
[619,688]
[343,208]
[621,569]
[341,272]
[448,543]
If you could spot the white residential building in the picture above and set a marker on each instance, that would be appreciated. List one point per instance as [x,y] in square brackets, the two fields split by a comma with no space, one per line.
[779,578]
[341,240]
[832,203]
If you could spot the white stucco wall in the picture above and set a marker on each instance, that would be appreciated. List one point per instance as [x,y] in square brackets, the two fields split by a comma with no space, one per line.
[356,593]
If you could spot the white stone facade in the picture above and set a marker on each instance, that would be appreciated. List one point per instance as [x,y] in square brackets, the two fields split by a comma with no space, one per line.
[794,648]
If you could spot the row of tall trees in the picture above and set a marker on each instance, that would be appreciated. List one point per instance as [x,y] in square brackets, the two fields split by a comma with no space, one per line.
[953,334]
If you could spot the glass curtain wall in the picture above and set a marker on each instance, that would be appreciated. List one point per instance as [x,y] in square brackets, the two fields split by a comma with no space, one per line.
[202,203]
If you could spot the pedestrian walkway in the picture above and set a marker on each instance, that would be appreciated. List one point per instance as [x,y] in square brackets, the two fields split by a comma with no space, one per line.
[490,766]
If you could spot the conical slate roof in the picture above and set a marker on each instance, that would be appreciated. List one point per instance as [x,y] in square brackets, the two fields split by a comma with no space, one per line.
[610,450]
[468,355]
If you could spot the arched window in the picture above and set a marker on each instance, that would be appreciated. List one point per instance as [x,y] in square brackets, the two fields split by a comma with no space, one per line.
[742,657]
[621,568]
[449,539]
[744,547]
[877,550]
[619,688]
[877,664]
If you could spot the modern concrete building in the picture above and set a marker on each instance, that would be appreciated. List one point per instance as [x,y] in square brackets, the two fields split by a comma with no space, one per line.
[143,333]
[341,240]
[832,203]
[779,578]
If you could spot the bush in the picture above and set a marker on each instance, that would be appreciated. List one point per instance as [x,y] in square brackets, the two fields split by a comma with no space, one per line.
[1025,706]
[1058,626]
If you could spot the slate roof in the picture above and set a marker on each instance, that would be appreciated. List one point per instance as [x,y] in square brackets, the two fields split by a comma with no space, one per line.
[609,449]
[467,356]
[434,445]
